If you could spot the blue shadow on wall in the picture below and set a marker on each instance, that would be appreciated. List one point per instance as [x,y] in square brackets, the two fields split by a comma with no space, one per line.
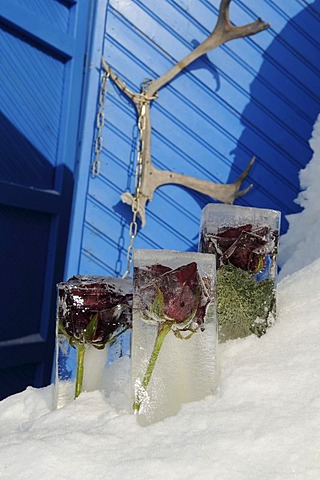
[279,119]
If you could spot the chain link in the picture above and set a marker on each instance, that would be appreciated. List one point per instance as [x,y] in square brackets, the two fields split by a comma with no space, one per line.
[140,99]
[96,165]
[133,228]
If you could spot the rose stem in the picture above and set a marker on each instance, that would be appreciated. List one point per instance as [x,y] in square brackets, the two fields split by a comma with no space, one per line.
[163,331]
[80,360]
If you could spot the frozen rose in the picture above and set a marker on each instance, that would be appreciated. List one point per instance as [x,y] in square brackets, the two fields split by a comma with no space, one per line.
[244,247]
[177,295]
[91,309]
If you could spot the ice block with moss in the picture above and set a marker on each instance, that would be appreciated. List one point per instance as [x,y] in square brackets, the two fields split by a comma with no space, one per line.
[244,241]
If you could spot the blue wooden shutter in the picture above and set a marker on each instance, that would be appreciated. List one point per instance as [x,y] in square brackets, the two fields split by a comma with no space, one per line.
[42,54]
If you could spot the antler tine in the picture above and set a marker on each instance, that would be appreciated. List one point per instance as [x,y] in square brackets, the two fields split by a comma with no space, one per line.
[120,84]
[251,28]
[223,16]
[229,31]
[237,184]
[246,171]
[240,193]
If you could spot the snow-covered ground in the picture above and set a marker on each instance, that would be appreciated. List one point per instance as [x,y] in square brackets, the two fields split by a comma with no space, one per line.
[262,424]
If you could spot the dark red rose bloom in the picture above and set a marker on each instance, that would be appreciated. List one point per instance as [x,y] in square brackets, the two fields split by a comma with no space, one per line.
[177,295]
[244,247]
[180,290]
[92,308]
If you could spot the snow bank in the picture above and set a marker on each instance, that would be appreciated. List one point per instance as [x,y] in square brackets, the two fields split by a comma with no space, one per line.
[263,423]
[300,246]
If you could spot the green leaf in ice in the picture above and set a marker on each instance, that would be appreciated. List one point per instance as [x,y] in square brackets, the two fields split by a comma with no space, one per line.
[91,328]
[243,303]
[71,340]
[157,307]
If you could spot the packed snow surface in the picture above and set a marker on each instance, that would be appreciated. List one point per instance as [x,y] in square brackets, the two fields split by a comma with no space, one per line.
[263,423]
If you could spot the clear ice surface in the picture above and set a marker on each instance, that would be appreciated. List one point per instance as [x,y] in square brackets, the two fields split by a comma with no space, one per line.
[95,363]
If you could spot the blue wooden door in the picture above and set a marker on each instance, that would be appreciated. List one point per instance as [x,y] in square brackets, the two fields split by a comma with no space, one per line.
[253,96]
[43,49]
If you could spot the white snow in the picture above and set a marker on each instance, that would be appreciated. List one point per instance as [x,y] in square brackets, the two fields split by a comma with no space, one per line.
[262,424]
[300,246]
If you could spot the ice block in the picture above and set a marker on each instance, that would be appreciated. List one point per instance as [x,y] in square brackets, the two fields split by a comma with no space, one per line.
[174,335]
[92,312]
[245,243]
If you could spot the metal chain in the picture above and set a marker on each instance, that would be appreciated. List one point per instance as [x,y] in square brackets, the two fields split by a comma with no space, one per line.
[140,99]
[96,165]
[133,228]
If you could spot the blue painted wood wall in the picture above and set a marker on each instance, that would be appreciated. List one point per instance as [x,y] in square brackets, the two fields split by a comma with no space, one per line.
[42,52]
[254,96]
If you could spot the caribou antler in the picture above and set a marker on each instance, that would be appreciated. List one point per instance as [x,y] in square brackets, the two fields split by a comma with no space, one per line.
[223,32]
[152,178]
